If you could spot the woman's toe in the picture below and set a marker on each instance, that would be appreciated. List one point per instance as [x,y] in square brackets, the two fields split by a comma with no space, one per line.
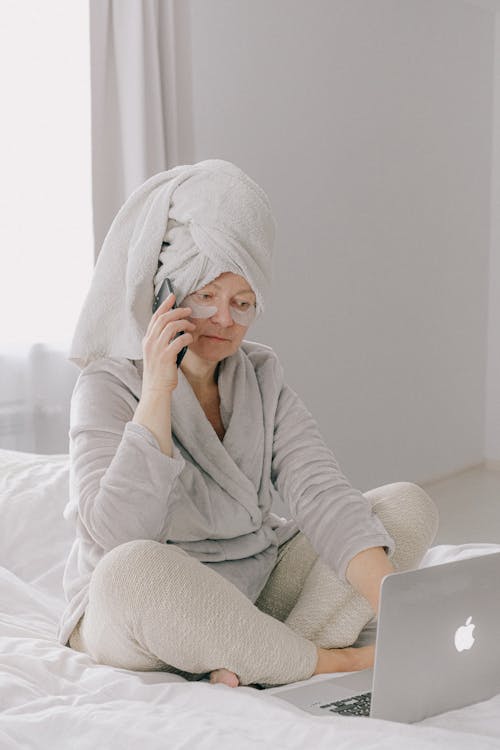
[224,676]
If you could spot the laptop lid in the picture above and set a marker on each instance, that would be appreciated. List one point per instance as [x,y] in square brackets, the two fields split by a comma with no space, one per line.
[429,657]
[437,639]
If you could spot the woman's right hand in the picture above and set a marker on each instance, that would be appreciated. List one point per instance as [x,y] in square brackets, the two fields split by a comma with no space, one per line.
[351,659]
[160,349]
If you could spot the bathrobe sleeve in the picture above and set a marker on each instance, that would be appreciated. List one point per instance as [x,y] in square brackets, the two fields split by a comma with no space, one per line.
[336,518]
[120,480]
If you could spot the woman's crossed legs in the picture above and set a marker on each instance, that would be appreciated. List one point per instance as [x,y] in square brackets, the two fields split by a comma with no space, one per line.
[154,607]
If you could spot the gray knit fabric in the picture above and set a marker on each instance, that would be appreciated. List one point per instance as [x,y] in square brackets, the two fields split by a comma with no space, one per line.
[154,607]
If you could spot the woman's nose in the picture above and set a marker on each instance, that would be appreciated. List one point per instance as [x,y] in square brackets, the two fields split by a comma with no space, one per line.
[223,315]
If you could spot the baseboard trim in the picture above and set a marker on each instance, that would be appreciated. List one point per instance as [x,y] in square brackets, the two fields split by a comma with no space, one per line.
[492,465]
[451,475]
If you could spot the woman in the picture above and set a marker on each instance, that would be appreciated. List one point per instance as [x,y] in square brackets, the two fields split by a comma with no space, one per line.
[179,564]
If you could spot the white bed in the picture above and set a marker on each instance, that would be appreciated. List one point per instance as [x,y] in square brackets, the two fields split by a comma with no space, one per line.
[54,697]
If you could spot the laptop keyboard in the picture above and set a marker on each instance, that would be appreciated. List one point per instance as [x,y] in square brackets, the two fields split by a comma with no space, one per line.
[357,705]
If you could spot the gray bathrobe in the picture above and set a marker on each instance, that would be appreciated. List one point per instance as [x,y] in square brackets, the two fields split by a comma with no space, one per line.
[213,498]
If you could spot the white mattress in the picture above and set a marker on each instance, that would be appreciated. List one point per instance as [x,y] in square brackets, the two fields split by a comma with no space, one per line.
[54,697]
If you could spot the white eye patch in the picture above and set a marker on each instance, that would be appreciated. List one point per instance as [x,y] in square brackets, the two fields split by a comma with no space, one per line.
[202,306]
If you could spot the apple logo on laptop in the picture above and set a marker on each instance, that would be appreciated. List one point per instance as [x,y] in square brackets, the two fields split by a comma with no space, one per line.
[463,636]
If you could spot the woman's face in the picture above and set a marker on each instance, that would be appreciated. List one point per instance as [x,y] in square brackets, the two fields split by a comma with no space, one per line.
[228,291]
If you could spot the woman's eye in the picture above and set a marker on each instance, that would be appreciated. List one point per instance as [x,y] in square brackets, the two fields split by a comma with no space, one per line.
[243,305]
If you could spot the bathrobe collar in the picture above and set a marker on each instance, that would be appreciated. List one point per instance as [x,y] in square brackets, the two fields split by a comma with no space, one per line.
[236,462]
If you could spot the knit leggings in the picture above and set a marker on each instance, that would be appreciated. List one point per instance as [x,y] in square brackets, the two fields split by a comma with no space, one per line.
[154,607]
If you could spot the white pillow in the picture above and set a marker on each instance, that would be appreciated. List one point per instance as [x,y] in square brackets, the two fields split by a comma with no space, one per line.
[35,538]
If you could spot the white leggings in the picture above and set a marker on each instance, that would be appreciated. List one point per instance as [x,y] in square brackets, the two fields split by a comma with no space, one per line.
[154,607]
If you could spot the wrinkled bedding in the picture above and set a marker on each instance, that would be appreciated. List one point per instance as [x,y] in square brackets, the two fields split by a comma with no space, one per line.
[52,696]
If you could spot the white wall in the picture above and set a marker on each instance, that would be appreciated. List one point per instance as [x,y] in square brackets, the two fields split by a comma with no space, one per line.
[369,124]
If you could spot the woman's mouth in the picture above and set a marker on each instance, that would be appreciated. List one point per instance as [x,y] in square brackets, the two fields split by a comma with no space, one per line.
[216,338]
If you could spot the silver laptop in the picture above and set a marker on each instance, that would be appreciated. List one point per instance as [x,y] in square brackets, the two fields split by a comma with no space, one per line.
[436,647]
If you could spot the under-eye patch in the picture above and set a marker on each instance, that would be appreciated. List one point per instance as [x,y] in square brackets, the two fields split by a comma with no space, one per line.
[206,304]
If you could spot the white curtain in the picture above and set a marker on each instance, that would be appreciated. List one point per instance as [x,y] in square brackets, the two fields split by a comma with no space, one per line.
[134,100]
[132,124]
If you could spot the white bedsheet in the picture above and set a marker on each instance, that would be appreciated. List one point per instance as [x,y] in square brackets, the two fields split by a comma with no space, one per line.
[54,697]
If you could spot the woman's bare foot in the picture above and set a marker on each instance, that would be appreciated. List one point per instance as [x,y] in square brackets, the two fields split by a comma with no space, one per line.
[224,676]
[345,659]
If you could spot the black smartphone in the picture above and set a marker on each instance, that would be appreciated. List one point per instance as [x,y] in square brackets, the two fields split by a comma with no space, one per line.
[165,290]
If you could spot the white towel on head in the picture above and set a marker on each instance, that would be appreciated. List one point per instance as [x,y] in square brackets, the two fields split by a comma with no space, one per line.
[216,219]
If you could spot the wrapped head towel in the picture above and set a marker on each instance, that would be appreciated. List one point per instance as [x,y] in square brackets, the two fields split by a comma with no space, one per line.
[215,219]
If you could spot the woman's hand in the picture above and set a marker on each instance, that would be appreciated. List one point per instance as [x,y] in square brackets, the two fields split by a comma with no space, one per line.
[160,349]
[366,571]
[351,659]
